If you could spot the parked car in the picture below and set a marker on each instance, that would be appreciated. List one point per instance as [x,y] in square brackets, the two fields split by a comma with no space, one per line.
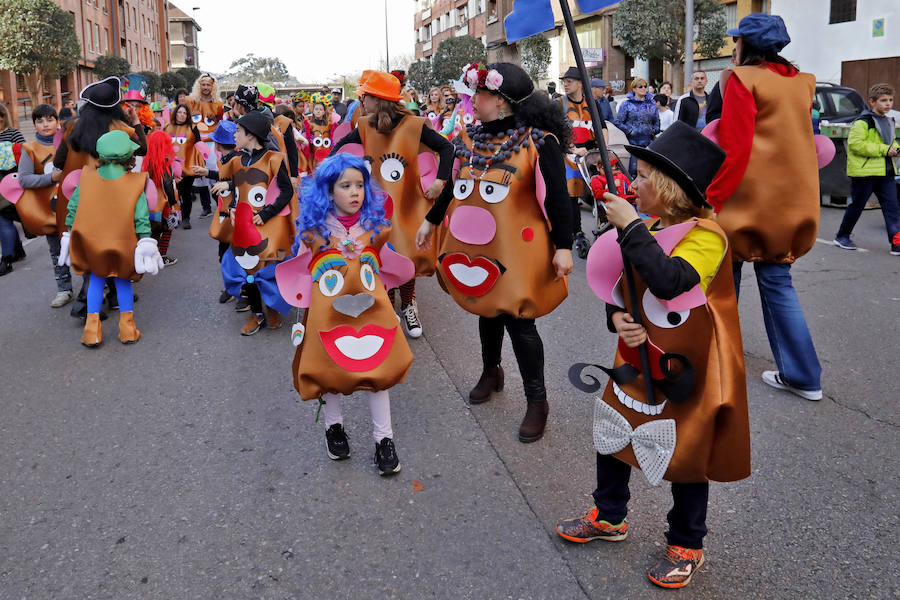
[838,104]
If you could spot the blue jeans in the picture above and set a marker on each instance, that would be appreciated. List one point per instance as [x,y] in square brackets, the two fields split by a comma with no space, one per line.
[885,189]
[9,237]
[789,337]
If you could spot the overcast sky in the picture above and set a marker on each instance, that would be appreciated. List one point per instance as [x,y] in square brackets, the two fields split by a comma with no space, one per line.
[348,36]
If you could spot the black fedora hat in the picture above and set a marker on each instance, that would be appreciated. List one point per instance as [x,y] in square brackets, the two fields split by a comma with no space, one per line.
[571,73]
[105,93]
[257,124]
[685,155]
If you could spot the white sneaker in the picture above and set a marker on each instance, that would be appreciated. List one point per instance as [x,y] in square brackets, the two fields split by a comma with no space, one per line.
[61,299]
[773,378]
[411,321]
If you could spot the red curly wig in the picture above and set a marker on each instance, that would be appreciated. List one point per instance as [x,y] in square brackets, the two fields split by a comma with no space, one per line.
[160,156]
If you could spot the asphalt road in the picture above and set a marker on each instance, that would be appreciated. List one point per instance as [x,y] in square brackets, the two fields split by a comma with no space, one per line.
[185,466]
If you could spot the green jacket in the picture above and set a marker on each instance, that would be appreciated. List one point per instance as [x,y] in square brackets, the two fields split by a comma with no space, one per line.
[866,151]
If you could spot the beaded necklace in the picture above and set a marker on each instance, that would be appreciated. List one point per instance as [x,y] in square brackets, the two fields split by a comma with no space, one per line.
[513,141]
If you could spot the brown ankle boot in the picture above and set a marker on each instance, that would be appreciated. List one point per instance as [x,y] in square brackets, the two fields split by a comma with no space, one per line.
[532,427]
[253,324]
[274,318]
[128,331]
[491,380]
[93,331]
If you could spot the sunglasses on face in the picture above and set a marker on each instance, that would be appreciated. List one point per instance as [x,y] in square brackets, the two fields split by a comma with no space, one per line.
[640,86]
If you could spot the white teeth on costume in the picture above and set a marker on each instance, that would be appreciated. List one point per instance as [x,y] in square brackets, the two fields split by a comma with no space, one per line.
[221,219]
[636,405]
[247,261]
[470,276]
[359,348]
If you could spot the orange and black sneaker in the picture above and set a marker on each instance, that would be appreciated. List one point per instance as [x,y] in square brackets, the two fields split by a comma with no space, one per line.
[588,528]
[677,567]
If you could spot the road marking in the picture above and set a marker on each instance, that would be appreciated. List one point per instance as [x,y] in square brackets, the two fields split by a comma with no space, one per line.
[831,243]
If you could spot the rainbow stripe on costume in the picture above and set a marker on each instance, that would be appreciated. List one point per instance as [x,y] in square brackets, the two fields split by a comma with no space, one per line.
[329,259]
[371,258]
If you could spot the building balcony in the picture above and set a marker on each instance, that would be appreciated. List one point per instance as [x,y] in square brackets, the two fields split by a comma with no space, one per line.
[462,30]
[426,46]
[426,14]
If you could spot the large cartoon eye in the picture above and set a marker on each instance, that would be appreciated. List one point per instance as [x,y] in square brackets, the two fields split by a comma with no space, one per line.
[392,169]
[492,192]
[210,121]
[317,142]
[468,118]
[196,118]
[659,315]
[368,161]
[331,282]
[463,188]
[257,196]
[326,143]
[181,139]
[367,276]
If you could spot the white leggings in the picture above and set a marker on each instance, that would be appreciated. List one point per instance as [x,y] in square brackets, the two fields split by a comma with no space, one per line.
[379,404]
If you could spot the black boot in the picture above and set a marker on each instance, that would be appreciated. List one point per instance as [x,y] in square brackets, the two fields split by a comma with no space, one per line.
[491,380]
[6,265]
[532,427]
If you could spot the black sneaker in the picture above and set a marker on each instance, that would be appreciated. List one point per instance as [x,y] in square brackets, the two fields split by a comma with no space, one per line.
[206,212]
[241,306]
[582,246]
[411,322]
[336,443]
[895,249]
[186,224]
[225,297]
[386,457]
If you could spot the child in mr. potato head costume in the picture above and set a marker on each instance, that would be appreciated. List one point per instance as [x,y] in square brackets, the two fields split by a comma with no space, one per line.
[694,428]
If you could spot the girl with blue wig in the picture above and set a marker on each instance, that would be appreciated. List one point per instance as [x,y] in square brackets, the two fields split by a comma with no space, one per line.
[348,341]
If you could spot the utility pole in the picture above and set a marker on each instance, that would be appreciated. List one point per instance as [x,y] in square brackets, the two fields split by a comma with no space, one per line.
[387,56]
[688,42]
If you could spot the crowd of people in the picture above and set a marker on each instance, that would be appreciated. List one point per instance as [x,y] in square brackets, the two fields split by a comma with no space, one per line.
[335,208]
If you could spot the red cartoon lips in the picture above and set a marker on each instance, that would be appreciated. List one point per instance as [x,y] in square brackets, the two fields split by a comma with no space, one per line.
[361,350]
[473,277]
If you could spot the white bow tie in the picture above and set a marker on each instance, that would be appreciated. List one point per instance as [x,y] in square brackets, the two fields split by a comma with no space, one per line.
[653,442]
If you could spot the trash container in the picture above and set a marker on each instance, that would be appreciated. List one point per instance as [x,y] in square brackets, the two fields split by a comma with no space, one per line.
[834,185]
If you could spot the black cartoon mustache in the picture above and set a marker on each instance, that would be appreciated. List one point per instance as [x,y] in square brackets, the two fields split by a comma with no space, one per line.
[677,387]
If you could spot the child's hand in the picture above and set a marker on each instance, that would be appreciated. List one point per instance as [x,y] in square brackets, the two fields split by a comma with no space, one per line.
[631,333]
[434,190]
[56,175]
[257,220]
[201,171]
[220,187]
[423,235]
[562,262]
[619,211]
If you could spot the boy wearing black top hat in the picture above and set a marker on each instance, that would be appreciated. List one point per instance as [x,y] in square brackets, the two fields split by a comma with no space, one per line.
[693,427]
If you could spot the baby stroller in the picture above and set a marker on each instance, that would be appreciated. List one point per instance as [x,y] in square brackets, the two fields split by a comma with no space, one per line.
[590,167]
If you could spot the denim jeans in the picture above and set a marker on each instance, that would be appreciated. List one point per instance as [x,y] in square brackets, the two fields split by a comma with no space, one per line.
[885,189]
[9,237]
[789,336]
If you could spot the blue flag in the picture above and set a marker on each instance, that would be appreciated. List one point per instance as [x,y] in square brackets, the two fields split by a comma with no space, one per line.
[529,17]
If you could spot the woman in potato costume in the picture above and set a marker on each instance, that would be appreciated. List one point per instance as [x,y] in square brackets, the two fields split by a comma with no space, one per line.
[506,250]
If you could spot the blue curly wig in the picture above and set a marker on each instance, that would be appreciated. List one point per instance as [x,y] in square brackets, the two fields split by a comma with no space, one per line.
[316,204]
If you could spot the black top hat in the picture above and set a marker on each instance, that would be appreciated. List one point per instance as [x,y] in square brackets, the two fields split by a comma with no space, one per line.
[572,73]
[685,155]
[105,94]
[257,124]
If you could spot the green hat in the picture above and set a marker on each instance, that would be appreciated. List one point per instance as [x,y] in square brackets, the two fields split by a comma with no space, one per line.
[156,107]
[115,146]
[266,93]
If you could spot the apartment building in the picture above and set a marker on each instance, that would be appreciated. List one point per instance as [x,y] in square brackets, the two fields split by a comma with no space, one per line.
[133,29]
[438,20]
[183,30]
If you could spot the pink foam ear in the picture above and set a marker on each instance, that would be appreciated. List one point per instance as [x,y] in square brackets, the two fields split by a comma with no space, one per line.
[203,149]
[540,187]
[824,150]
[692,298]
[341,130]
[604,267]
[151,194]
[10,188]
[711,131]
[294,279]
[354,149]
[427,169]
[396,269]
[272,193]
[177,168]
[669,237]
[71,182]
[335,117]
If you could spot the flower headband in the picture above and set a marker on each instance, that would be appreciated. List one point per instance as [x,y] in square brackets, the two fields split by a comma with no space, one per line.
[477,76]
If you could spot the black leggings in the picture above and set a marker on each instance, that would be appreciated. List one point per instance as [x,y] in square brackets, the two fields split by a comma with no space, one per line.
[527,346]
[185,189]
[687,519]
[254,299]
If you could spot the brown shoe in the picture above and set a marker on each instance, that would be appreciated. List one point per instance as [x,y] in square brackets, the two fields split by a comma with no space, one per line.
[253,324]
[128,331]
[274,318]
[93,331]
[532,427]
[491,380]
